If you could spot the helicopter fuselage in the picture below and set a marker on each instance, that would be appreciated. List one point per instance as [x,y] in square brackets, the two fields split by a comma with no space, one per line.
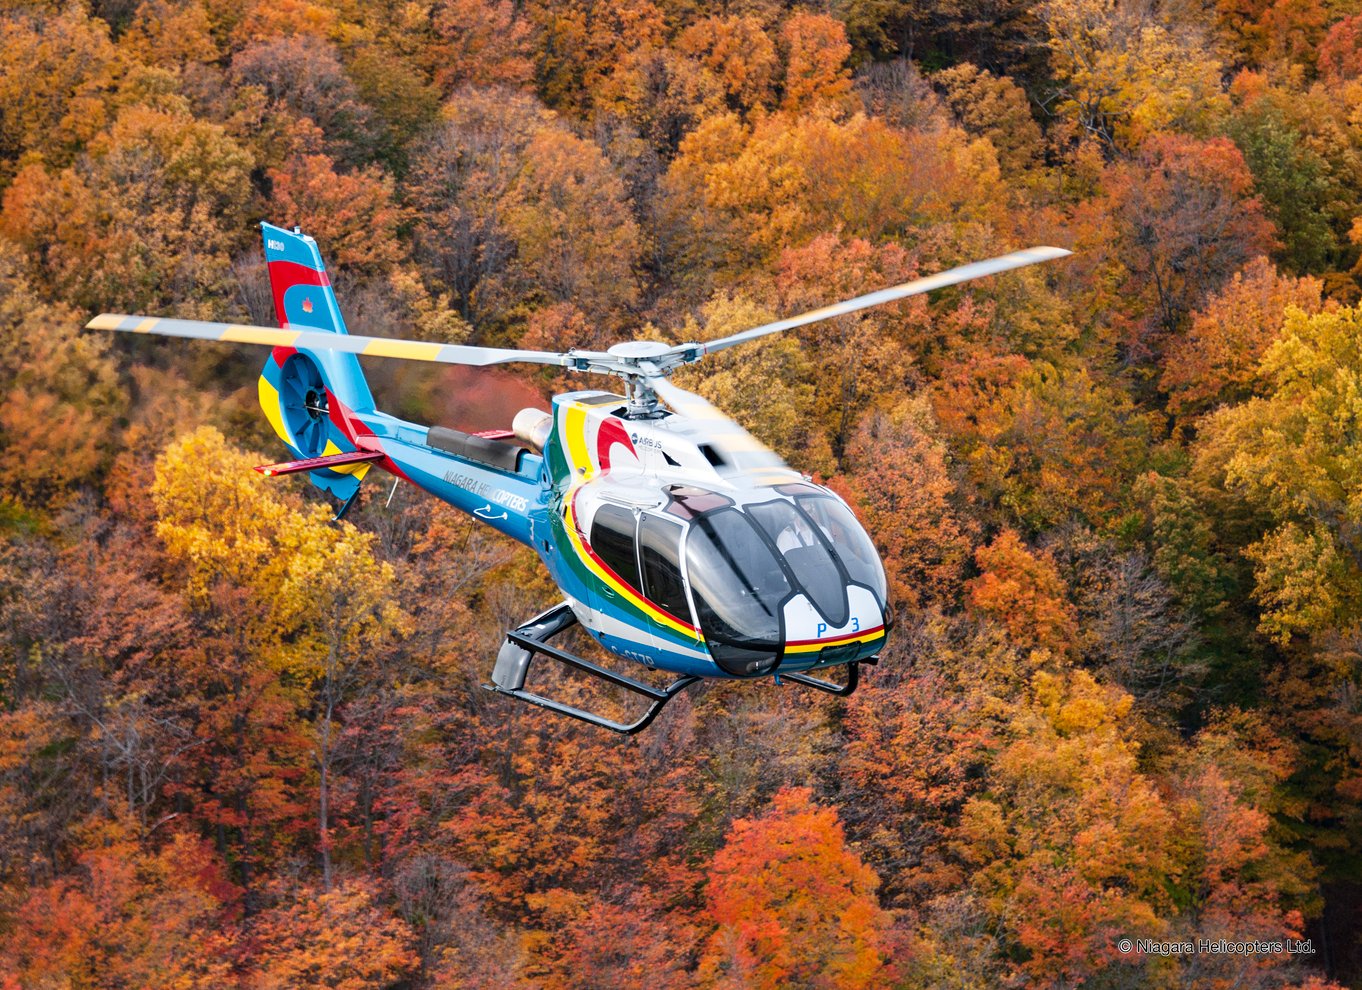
[678,543]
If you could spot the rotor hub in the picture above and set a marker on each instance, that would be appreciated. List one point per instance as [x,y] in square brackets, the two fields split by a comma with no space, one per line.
[636,350]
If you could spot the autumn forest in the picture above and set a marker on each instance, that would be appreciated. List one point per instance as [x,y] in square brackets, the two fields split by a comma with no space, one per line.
[1118,496]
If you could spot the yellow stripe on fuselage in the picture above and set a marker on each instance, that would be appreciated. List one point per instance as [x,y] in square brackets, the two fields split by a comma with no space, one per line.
[574,432]
[814,647]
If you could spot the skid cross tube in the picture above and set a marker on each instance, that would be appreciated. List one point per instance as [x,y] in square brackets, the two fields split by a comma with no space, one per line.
[531,640]
[841,690]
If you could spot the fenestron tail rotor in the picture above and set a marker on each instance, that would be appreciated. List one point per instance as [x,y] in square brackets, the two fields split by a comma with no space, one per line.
[643,364]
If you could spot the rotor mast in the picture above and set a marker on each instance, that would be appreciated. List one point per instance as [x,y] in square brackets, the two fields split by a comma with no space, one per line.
[634,362]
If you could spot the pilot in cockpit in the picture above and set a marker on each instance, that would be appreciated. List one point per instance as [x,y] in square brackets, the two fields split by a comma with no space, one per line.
[796,534]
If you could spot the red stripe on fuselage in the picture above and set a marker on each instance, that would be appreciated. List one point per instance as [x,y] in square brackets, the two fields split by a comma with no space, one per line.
[612,432]
[834,640]
[358,433]
[611,571]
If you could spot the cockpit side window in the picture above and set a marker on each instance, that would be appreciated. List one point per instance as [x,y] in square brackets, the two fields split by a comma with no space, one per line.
[612,537]
[857,553]
[659,547]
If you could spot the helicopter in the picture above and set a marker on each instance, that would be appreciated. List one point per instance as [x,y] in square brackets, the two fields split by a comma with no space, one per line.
[678,540]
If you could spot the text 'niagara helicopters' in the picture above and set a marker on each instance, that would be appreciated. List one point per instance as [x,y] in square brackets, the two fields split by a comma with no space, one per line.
[677,539]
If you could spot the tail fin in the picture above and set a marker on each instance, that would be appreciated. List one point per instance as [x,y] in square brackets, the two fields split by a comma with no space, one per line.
[307,395]
[303,297]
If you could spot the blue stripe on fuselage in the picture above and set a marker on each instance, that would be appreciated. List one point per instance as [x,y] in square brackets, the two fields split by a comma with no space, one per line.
[510,502]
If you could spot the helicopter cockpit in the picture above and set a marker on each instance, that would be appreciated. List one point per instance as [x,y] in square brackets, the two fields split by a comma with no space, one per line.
[777,577]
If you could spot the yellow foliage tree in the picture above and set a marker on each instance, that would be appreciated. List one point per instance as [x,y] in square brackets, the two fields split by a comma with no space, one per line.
[765,387]
[742,194]
[329,603]
[1293,455]
[1125,74]
[1070,843]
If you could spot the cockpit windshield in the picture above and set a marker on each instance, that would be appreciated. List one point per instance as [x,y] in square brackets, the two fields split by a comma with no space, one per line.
[806,556]
[854,549]
[739,588]
[744,565]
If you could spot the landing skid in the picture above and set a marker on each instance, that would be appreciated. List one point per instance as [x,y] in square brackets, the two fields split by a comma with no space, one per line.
[841,690]
[520,648]
[532,639]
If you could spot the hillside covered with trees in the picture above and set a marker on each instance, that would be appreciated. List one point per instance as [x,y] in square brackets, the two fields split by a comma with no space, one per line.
[1119,496]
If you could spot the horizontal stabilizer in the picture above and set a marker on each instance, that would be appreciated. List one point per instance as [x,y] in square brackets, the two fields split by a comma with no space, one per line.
[316,463]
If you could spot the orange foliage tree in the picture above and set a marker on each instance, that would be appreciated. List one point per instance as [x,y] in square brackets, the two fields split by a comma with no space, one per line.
[158,204]
[353,214]
[1216,361]
[899,475]
[815,63]
[131,913]
[739,53]
[1023,592]
[1187,219]
[341,939]
[792,904]
[479,43]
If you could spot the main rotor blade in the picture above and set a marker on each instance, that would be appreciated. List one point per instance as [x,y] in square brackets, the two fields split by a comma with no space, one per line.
[739,449]
[688,404]
[410,350]
[978,269]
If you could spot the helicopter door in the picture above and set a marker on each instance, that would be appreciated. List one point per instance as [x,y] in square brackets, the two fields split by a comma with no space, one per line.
[659,552]
[613,540]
